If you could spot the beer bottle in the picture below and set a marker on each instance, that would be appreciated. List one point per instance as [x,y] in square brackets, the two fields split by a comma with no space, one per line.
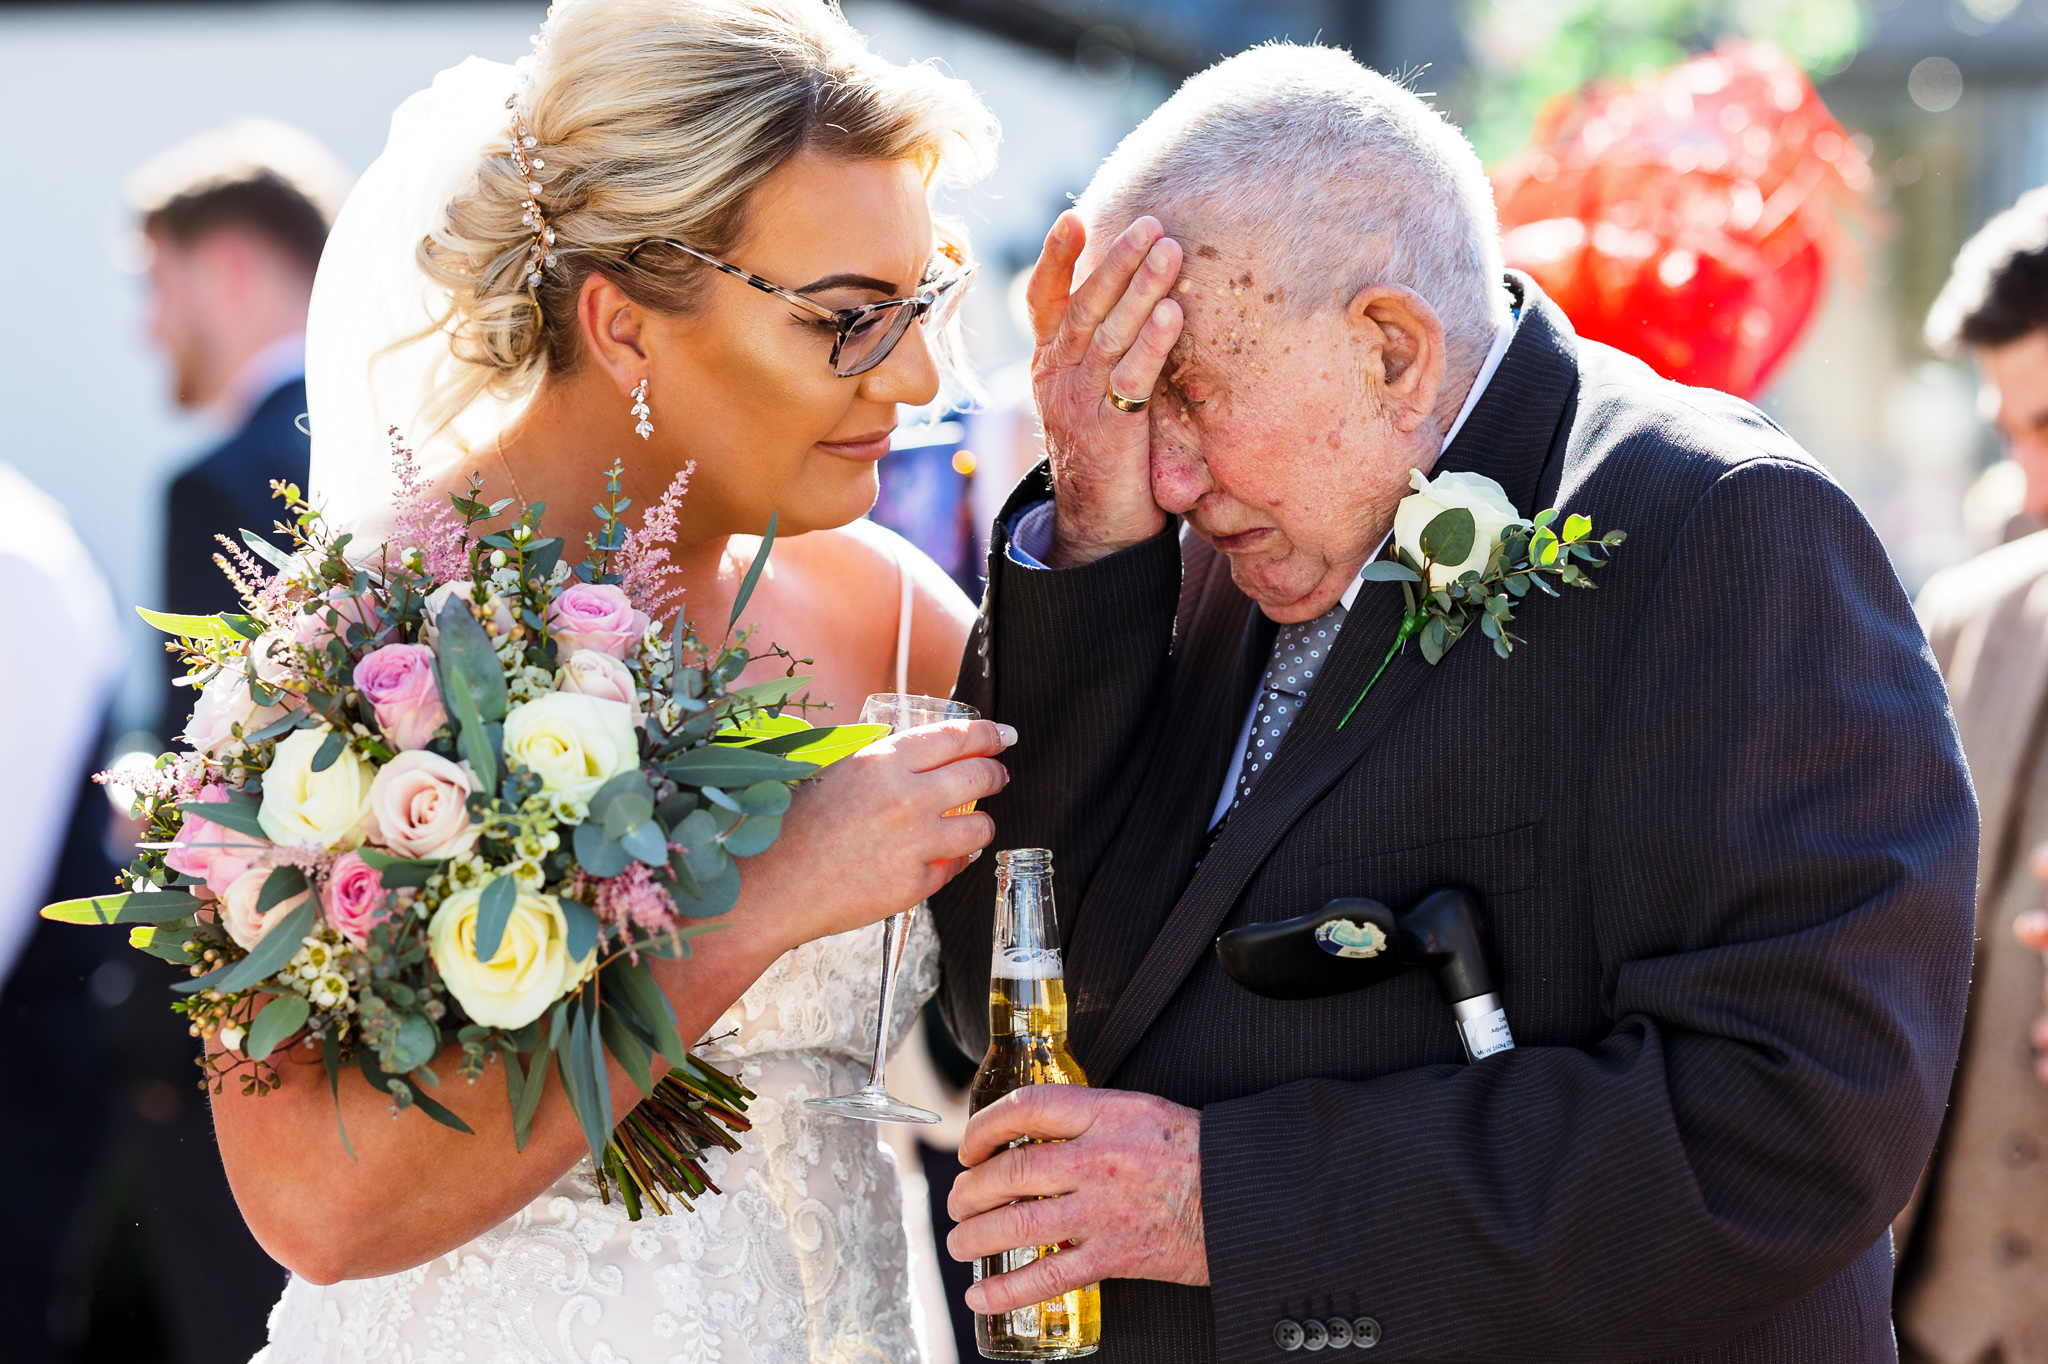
[1027,1030]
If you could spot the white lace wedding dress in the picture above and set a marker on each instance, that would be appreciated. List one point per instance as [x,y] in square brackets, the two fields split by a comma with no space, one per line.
[800,1259]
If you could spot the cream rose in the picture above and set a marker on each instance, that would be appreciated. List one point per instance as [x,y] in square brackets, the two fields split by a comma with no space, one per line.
[1491,511]
[301,807]
[238,908]
[498,622]
[225,702]
[421,804]
[573,743]
[590,673]
[531,970]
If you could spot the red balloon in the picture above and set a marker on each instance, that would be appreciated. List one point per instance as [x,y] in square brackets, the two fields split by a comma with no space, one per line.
[1690,218]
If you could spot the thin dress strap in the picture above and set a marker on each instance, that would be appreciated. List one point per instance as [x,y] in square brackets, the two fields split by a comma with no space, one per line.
[903,623]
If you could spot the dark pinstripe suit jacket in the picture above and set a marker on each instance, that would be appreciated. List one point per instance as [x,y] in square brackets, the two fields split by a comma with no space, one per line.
[1720,825]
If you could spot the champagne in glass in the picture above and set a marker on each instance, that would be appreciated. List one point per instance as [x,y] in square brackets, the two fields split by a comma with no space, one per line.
[873,1102]
[1027,1031]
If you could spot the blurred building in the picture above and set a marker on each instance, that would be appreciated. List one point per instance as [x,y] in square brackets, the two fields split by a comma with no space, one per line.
[1953,97]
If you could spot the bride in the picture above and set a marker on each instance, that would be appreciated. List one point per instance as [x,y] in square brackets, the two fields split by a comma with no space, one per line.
[684,235]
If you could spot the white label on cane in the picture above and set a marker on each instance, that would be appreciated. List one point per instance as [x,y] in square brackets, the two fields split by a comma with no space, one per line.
[1487,1034]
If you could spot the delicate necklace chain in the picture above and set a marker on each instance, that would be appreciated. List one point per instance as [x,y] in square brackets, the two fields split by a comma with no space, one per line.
[510,477]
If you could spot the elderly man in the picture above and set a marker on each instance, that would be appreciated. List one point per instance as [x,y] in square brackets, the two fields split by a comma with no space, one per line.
[1713,815]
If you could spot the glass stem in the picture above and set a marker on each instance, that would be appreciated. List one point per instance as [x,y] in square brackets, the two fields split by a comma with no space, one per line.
[895,929]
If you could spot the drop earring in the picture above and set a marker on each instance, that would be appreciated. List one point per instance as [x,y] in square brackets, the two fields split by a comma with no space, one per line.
[645,427]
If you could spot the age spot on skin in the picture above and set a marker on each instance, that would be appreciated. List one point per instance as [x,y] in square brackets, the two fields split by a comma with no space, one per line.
[1208,253]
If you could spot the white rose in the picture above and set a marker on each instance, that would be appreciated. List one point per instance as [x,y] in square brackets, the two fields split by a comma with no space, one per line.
[238,908]
[329,809]
[1492,514]
[573,743]
[590,672]
[421,804]
[224,703]
[531,971]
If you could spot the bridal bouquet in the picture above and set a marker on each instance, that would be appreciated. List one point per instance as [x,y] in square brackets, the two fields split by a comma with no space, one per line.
[455,791]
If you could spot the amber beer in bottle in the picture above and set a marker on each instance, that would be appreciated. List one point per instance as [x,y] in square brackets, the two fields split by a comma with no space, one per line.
[1027,1045]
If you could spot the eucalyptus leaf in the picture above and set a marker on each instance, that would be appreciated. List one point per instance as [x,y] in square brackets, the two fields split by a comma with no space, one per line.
[718,765]
[1577,527]
[1448,537]
[761,725]
[279,1019]
[464,650]
[414,1044]
[266,551]
[627,811]
[1388,571]
[136,907]
[237,812]
[761,696]
[166,943]
[739,603]
[599,855]
[330,749]
[698,833]
[752,835]
[631,985]
[279,886]
[633,1054]
[765,798]
[493,912]
[265,960]
[717,892]
[582,924]
[408,1096]
[647,842]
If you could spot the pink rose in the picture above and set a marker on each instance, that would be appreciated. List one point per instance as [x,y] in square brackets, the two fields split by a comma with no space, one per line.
[594,674]
[313,631]
[420,801]
[596,616]
[225,702]
[497,623]
[238,908]
[211,852]
[398,682]
[355,898]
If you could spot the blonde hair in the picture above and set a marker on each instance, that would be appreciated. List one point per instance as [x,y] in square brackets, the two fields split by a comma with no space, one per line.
[658,118]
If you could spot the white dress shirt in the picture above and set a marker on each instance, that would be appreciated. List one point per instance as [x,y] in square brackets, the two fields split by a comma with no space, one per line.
[1031,541]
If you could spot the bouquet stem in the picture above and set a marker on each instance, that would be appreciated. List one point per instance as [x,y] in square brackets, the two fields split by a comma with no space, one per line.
[655,1155]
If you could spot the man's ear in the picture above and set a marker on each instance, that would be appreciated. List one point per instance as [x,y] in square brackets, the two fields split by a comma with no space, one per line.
[613,328]
[1403,343]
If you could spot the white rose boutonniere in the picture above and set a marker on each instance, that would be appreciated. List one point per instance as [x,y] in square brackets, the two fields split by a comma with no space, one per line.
[1462,553]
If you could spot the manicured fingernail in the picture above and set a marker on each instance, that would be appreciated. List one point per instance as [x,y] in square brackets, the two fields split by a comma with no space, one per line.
[974,856]
[1007,734]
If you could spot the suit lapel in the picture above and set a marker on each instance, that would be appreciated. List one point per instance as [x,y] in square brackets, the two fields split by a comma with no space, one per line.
[1513,436]
[2001,683]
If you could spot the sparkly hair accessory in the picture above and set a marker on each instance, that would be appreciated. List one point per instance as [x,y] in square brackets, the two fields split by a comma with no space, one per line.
[541,254]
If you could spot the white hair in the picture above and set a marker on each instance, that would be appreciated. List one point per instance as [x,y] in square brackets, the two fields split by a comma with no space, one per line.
[1330,174]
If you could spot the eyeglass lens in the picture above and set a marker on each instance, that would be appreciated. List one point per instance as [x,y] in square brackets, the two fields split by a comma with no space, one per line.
[871,340]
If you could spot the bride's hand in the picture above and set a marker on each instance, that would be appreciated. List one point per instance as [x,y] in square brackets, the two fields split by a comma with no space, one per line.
[872,836]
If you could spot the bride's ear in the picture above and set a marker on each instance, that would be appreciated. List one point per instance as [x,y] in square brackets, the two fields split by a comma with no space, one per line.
[612,326]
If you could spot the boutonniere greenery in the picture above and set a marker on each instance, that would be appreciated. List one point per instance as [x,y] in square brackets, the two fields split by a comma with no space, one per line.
[1463,554]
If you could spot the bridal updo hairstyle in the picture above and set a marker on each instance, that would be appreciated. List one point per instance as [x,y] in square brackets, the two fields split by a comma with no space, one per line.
[658,118]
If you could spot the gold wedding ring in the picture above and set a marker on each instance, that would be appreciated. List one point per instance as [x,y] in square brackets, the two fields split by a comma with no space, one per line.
[1123,404]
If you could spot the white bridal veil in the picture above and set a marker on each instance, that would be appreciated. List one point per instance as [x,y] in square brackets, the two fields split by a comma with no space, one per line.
[373,360]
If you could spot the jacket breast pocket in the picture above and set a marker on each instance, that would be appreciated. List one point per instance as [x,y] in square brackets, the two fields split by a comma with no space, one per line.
[1493,865]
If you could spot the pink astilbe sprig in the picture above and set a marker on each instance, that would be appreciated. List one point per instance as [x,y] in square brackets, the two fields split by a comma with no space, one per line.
[630,905]
[244,573]
[644,568]
[425,522]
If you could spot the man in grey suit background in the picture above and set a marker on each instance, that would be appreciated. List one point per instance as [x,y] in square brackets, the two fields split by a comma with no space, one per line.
[1714,814]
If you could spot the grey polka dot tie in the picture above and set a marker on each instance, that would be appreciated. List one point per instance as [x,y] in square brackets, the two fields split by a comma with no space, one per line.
[1299,652]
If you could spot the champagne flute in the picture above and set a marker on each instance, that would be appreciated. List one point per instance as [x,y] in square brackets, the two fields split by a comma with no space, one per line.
[873,1102]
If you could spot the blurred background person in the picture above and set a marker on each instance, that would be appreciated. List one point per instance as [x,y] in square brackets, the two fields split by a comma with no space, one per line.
[63,652]
[1969,1288]
[234,220]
